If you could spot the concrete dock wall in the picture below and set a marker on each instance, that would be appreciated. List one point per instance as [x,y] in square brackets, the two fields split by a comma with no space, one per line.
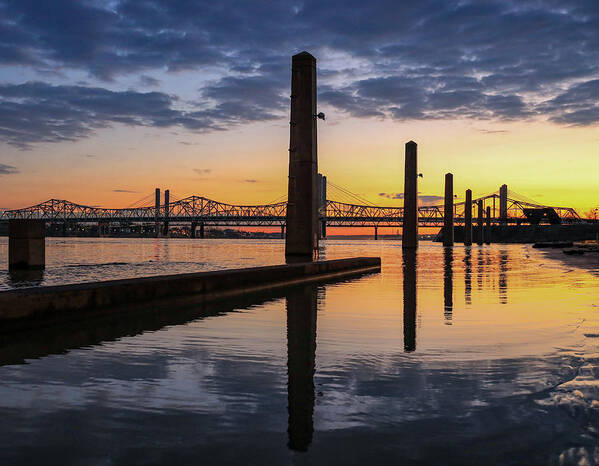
[63,302]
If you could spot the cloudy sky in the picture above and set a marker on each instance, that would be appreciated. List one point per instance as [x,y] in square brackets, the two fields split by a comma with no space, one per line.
[101,101]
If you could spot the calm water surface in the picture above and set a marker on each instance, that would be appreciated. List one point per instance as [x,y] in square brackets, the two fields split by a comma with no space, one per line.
[482,355]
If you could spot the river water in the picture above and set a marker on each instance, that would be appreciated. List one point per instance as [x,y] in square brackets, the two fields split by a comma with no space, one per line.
[481,355]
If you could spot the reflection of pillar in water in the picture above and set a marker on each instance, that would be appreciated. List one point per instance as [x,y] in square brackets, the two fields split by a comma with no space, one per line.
[409,299]
[301,353]
[503,260]
[448,284]
[468,276]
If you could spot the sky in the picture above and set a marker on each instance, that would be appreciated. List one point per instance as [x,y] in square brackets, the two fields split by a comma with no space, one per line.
[103,101]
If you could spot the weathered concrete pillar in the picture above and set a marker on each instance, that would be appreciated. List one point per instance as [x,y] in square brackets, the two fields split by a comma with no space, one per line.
[301,241]
[167,199]
[376,232]
[157,212]
[468,218]
[503,204]
[448,211]
[480,237]
[26,244]
[488,229]
[410,204]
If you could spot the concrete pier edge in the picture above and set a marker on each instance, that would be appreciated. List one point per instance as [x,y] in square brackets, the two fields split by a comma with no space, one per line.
[42,303]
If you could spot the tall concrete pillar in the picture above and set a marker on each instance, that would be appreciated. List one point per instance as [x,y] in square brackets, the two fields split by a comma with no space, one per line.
[410,203]
[503,204]
[157,212]
[468,218]
[26,244]
[167,199]
[488,229]
[376,232]
[192,229]
[448,211]
[301,241]
[201,229]
[480,237]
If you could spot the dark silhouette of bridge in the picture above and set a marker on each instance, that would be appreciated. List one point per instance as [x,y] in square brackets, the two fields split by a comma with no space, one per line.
[199,210]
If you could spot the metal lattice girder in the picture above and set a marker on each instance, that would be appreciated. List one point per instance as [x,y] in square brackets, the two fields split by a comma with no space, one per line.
[197,208]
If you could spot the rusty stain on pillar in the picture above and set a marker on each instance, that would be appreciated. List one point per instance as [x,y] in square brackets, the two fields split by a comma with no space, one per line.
[409,236]
[488,228]
[26,244]
[480,237]
[468,218]
[448,211]
[301,240]
[503,204]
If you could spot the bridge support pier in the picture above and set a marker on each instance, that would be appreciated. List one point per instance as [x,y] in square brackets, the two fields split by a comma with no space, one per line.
[480,237]
[448,211]
[301,241]
[282,231]
[26,244]
[409,235]
[201,229]
[488,228]
[468,218]
[192,229]
[376,233]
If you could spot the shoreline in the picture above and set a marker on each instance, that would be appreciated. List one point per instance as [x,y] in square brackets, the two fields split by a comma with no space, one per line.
[588,261]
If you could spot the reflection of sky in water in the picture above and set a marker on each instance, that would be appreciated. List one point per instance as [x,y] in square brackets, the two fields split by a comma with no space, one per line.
[513,378]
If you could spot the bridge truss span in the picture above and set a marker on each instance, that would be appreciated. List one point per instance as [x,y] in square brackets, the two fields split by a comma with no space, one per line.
[198,209]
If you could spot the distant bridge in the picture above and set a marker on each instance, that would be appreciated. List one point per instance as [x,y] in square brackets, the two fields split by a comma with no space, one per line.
[200,210]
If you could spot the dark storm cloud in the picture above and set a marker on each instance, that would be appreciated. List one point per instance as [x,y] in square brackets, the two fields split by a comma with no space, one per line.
[37,112]
[403,60]
[7,169]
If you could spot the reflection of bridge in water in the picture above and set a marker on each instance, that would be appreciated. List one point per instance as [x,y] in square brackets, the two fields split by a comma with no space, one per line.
[200,211]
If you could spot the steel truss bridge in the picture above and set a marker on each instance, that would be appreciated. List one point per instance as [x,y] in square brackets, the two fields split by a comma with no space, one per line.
[202,211]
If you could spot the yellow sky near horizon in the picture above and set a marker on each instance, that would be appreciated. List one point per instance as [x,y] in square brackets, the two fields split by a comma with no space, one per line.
[552,164]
